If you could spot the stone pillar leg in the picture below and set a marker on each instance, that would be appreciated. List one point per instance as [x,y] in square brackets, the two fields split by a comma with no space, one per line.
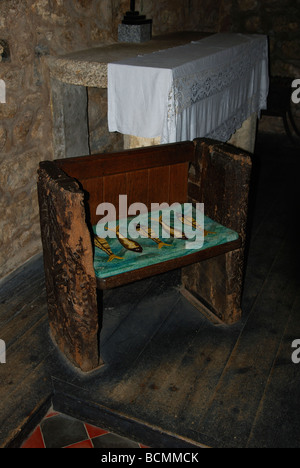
[69,105]
[245,137]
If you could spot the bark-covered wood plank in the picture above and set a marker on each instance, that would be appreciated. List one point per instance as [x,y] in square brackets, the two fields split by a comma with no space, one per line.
[69,272]
[220,178]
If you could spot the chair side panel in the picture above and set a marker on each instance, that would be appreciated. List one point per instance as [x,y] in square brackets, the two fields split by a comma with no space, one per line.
[69,272]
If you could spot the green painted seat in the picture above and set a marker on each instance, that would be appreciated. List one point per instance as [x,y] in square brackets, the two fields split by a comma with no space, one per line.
[116,259]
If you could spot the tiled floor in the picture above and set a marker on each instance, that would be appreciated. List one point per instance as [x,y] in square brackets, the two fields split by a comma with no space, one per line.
[57,430]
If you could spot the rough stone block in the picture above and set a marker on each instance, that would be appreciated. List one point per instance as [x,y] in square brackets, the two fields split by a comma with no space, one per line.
[135,32]
[4,51]
[70,127]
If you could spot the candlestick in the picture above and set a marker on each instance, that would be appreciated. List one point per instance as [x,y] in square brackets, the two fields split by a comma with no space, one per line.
[135,27]
[134,17]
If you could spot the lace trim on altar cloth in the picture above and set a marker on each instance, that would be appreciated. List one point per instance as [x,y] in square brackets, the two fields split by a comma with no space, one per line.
[225,131]
[187,91]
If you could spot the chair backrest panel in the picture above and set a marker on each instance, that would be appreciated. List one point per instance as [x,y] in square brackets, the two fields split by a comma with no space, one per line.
[146,175]
[99,165]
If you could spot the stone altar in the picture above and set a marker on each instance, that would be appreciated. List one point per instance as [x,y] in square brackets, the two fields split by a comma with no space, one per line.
[72,74]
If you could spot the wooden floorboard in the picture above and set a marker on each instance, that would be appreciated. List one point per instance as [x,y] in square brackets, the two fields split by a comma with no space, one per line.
[170,374]
[19,290]
[231,412]
[25,381]
[209,384]
[170,385]
[26,402]
[277,423]
[131,302]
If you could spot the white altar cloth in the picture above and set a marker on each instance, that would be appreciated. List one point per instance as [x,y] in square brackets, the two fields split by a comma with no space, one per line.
[206,88]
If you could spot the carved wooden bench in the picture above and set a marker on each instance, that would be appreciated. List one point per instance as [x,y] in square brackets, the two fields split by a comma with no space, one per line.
[70,190]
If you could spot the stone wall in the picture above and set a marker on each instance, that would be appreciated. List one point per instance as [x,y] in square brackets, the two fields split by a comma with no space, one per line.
[280,20]
[31,29]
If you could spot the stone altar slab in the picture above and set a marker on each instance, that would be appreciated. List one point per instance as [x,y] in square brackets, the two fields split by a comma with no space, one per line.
[71,74]
[89,67]
[206,88]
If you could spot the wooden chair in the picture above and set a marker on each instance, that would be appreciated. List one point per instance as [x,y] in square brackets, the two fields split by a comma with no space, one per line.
[70,190]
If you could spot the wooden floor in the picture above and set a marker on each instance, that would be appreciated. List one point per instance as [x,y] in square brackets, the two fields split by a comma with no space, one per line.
[171,378]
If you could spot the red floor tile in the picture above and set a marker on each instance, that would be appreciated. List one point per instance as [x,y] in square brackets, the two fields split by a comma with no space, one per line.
[51,413]
[84,435]
[94,431]
[83,444]
[35,440]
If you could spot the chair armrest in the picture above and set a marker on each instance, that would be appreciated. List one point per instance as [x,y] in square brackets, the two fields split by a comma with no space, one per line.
[220,178]
[68,261]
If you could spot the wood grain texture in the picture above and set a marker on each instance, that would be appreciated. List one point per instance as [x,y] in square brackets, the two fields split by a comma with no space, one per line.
[146,175]
[68,260]
[178,191]
[138,187]
[93,190]
[220,178]
[100,165]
